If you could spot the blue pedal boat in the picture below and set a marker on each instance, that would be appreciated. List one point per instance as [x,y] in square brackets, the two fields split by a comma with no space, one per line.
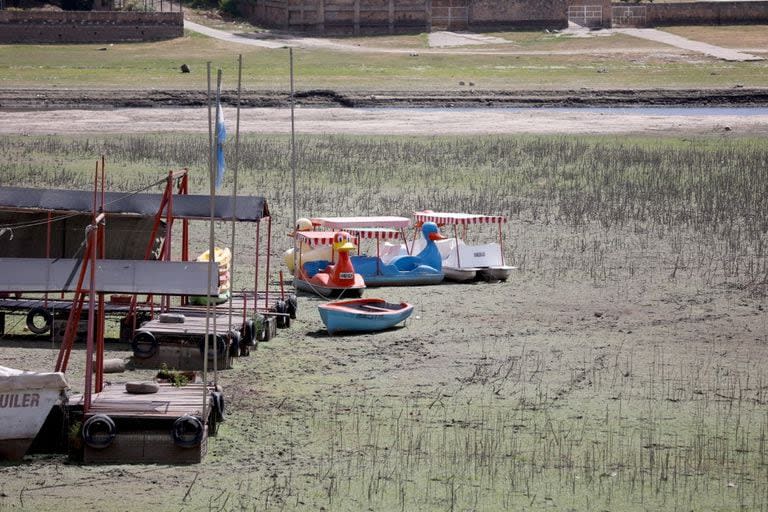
[363,315]
[421,269]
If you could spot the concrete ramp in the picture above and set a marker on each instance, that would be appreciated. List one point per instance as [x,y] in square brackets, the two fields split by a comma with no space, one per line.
[688,44]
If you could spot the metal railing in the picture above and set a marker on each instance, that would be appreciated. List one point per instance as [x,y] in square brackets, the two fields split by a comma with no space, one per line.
[586,15]
[629,16]
[143,5]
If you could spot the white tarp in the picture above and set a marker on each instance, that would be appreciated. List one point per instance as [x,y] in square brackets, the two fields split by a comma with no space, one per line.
[15,380]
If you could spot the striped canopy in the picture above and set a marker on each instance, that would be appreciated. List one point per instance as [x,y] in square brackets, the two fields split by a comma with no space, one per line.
[362,222]
[458,218]
[376,233]
[315,238]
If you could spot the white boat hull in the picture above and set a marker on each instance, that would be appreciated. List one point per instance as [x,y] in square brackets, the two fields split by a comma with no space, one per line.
[460,274]
[497,273]
[26,399]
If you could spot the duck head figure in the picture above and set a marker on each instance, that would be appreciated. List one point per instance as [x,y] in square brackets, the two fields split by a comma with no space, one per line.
[302,224]
[343,272]
[292,254]
[430,255]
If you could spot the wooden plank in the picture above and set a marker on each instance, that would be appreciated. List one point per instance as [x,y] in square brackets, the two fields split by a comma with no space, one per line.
[169,402]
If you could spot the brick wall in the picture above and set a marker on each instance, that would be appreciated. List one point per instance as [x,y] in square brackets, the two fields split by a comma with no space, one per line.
[496,14]
[397,16]
[88,27]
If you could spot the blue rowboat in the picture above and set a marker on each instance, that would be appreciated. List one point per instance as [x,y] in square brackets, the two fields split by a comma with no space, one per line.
[363,315]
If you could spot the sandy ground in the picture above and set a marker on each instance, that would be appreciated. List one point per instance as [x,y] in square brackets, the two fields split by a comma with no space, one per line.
[385,121]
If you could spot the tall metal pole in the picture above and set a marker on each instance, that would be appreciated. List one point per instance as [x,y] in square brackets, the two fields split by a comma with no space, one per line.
[90,235]
[293,168]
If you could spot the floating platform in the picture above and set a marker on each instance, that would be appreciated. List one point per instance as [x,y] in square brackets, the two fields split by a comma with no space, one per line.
[149,428]
[180,345]
[42,314]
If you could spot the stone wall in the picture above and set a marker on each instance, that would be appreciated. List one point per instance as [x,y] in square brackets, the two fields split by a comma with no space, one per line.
[398,16]
[496,14]
[708,13]
[649,14]
[88,26]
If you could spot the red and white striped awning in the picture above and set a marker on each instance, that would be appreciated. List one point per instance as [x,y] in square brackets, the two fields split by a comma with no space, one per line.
[362,222]
[315,238]
[375,233]
[441,218]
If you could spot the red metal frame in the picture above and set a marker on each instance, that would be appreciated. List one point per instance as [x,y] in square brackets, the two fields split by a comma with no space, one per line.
[165,209]
[94,248]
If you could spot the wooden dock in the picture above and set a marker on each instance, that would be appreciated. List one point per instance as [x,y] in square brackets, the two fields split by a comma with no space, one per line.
[144,424]
[193,325]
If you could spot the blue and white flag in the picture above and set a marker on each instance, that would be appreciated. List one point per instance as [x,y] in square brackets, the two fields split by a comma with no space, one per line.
[221,136]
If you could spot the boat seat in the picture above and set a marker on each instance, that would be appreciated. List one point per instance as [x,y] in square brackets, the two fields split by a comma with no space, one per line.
[377,308]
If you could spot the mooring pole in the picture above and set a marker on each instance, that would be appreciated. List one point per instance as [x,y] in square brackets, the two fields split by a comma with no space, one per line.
[293,167]
[212,194]
[234,187]
[212,256]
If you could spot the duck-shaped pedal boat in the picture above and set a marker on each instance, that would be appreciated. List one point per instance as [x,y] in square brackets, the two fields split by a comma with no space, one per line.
[374,270]
[419,269]
[305,250]
[462,261]
[330,279]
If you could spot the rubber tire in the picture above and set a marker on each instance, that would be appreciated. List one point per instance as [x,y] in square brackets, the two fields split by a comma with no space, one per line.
[99,423]
[293,305]
[286,314]
[45,314]
[218,405]
[248,333]
[220,345]
[182,427]
[263,333]
[280,307]
[234,343]
[213,425]
[144,337]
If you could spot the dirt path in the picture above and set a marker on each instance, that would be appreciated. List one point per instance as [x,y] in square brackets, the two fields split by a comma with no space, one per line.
[232,38]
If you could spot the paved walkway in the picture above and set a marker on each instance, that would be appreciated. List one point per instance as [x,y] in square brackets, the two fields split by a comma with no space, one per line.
[251,39]
[445,38]
[688,44]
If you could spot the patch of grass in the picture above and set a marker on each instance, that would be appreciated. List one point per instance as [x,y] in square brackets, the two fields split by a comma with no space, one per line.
[157,66]
[693,207]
